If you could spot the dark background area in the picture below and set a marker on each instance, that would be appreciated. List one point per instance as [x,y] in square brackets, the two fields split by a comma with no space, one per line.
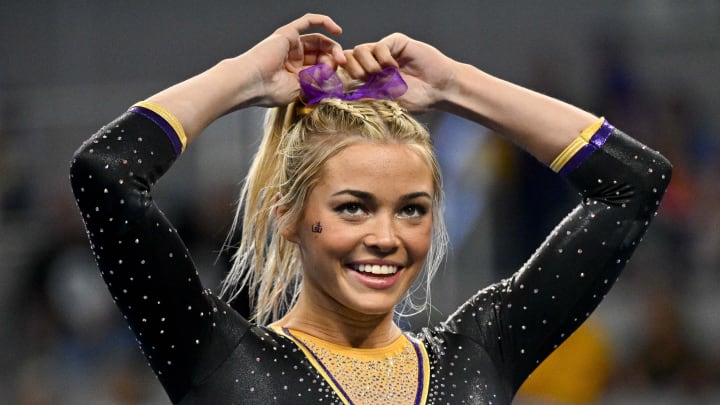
[650,66]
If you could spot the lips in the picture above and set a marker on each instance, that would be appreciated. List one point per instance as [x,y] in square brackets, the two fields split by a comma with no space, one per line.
[376,275]
[376,269]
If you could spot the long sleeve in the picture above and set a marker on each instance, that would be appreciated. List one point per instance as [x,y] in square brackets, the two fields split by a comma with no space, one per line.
[142,259]
[521,320]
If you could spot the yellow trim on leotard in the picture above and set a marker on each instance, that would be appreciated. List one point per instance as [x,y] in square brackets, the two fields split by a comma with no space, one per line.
[397,346]
[577,144]
[169,117]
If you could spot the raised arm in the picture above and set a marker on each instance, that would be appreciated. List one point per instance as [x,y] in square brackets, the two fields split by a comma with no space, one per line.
[519,321]
[265,75]
[541,125]
[143,261]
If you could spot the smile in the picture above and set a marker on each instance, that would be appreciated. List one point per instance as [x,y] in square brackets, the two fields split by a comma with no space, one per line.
[376,269]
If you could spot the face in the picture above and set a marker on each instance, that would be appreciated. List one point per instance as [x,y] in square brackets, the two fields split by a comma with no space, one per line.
[366,228]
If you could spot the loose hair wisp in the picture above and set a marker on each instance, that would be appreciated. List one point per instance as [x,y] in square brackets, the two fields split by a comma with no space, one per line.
[291,154]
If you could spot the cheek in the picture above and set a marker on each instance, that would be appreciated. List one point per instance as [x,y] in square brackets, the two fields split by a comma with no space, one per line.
[418,240]
[324,236]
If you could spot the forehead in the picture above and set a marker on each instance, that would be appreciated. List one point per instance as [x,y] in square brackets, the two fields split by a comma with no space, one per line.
[368,166]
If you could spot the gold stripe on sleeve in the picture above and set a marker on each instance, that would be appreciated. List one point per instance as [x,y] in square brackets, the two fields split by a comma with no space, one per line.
[577,144]
[169,117]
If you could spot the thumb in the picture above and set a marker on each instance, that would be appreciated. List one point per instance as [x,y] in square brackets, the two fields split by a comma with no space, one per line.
[396,43]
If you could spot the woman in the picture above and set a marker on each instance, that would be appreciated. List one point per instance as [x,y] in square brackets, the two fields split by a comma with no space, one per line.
[346,190]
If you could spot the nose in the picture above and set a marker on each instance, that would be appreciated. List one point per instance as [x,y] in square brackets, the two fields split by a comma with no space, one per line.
[382,237]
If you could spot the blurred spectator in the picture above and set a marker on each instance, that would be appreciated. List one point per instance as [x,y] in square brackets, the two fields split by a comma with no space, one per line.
[66,343]
[72,346]
[667,357]
[577,373]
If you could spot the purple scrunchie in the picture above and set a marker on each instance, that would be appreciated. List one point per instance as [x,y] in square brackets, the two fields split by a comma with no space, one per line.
[320,81]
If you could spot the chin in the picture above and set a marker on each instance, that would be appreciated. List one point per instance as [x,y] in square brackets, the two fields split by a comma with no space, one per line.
[373,306]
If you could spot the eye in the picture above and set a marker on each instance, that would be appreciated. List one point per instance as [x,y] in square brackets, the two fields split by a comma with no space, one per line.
[351,209]
[413,211]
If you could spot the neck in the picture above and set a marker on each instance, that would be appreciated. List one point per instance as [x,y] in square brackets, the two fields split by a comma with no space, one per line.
[340,325]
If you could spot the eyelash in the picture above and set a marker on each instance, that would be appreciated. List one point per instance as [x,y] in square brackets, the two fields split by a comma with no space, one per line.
[418,210]
[343,208]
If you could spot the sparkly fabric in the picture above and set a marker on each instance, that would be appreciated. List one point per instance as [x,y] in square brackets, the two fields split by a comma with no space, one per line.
[387,375]
[203,352]
[165,120]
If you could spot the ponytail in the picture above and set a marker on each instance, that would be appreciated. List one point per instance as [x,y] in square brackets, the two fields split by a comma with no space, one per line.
[291,154]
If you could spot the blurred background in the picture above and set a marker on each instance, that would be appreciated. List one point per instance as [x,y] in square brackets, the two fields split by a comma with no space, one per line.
[650,66]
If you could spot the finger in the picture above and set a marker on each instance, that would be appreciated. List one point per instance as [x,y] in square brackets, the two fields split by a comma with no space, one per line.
[383,56]
[395,43]
[366,58]
[320,44]
[313,58]
[304,23]
[352,66]
[325,59]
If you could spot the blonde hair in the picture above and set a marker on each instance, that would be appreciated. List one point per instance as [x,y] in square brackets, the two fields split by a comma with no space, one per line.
[292,152]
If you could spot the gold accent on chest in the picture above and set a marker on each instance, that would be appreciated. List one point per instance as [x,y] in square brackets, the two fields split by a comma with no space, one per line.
[387,375]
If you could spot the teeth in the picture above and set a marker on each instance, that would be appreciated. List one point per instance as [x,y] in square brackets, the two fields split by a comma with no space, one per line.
[377,269]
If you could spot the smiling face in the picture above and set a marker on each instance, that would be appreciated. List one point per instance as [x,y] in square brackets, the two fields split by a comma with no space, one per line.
[374,205]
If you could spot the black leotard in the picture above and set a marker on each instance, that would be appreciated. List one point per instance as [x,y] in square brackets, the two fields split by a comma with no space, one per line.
[204,352]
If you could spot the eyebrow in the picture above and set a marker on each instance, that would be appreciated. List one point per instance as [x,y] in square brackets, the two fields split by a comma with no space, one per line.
[365,196]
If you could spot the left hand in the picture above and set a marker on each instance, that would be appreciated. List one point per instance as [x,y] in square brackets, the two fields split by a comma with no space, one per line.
[428,73]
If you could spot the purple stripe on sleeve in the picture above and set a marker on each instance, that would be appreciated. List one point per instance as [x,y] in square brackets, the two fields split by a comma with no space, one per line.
[602,134]
[596,142]
[421,372]
[164,125]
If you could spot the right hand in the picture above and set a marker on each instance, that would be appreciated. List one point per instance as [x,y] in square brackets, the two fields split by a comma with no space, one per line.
[278,58]
[427,71]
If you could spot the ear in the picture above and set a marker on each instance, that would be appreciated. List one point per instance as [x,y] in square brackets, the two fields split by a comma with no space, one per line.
[288,231]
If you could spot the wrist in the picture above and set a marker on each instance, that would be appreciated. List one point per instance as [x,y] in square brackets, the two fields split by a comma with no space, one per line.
[459,90]
[200,100]
[240,81]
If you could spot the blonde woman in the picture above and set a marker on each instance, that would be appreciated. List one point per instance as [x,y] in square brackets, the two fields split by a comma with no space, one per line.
[341,216]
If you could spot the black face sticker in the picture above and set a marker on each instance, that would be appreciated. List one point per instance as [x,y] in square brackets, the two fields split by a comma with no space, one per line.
[317,228]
